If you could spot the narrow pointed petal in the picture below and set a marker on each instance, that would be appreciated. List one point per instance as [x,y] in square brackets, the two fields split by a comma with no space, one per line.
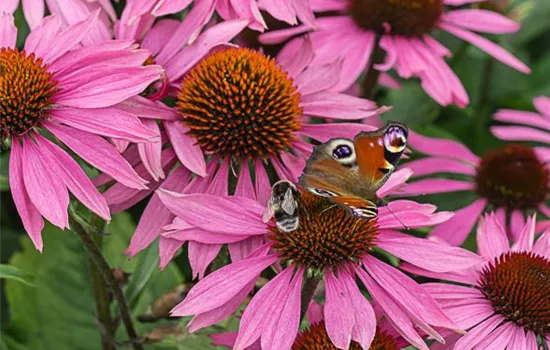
[188,151]
[459,226]
[46,191]
[282,326]
[200,256]
[427,254]
[476,335]
[527,236]
[150,152]
[261,307]
[30,216]
[8,31]
[74,178]
[222,285]
[99,153]
[491,237]
[339,312]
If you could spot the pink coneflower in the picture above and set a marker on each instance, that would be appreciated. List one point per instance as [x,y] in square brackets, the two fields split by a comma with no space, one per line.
[69,93]
[244,111]
[504,303]
[328,245]
[363,29]
[71,11]
[289,11]
[511,180]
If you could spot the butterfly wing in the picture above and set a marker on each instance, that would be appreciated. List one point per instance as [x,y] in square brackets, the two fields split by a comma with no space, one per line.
[378,153]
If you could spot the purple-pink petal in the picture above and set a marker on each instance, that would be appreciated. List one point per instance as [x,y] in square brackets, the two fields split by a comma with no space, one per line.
[200,256]
[8,30]
[188,150]
[491,237]
[222,285]
[339,312]
[30,216]
[459,226]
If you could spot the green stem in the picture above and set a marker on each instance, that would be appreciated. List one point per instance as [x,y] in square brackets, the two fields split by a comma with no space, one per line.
[308,290]
[105,271]
[103,302]
[371,79]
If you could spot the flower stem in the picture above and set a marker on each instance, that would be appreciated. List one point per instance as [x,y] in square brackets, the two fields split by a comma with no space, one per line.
[308,290]
[105,271]
[371,78]
[103,302]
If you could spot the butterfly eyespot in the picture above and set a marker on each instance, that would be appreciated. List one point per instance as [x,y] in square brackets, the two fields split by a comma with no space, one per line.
[395,139]
[342,151]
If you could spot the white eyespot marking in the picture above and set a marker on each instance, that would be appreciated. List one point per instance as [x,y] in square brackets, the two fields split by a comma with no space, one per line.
[342,150]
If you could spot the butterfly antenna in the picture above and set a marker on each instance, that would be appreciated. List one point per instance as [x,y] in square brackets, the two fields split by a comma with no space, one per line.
[395,216]
[328,208]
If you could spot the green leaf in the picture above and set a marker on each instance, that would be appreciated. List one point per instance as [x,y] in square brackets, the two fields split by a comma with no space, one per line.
[147,264]
[59,313]
[12,272]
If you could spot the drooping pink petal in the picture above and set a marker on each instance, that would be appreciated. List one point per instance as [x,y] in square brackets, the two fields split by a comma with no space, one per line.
[459,226]
[74,177]
[261,307]
[244,184]
[318,78]
[40,38]
[282,324]
[325,132]
[29,214]
[200,256]
[396,180]
[242,249]
[167,250]
[435,185]
[222,285]
[197,17]
[542,245]
[314,312]
[461,2]
[108,122]
[364,326]
[9,6]
[109,90]
[471,314]
[441,147]
[522,117]
[339,312]
[520,133]
[188,150]
[407,292]
[99,153]
[469,276]
[223,215]
[211,317]
[499,338]
[296,56]
[8,30]
[48,194]
[280,9]
[150,152]
[476,335]
[542,104]
[262,186]
[488,46]
[33,11]
[433,165]
[427,254]
[155,215]
[491,237]
[519,340]
[527,236]
[395,315]
[481,21]
[68,38]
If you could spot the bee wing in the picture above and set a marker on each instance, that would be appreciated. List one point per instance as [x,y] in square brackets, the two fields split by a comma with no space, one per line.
[289,202]
[268,211]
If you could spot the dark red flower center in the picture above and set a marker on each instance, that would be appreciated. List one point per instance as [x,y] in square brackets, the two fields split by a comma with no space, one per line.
[26,90]
[316,338]
[326,236]
[402,17]
[239,102]
[518,286]
[512,177]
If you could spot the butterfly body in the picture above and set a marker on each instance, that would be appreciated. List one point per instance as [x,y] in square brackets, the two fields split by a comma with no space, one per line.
[349,172]
[283,206]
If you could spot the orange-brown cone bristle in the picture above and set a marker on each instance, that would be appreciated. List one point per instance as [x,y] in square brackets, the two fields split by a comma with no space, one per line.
[240,103]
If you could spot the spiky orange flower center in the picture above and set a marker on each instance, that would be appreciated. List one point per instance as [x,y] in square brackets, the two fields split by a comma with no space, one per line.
[403,17]
[316,338]
[512,177]
[26,89]
[239,102]
[326,236]
[518,286]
